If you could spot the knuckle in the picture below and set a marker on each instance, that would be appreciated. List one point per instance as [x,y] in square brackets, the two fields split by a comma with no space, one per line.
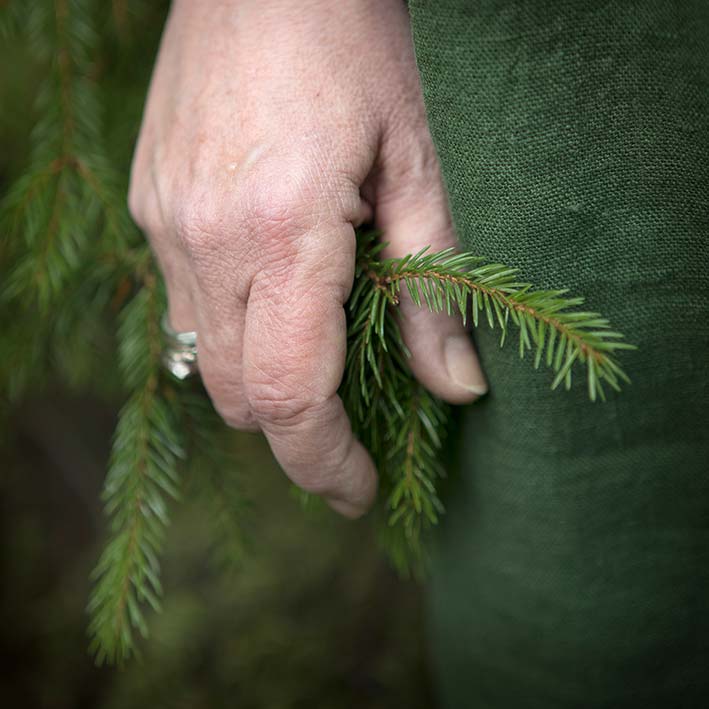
[290,194]
[258,207]
[199,225]
[144,209]
[137,209]
[278,199]
[281,406]
[278,207]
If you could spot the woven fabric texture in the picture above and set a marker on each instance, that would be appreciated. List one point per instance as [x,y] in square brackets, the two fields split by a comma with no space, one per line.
[572,569]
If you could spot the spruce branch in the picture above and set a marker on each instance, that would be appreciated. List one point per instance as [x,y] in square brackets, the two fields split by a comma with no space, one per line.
[165,429]
[548,322]
[53,209]
[402,424]
[144,473]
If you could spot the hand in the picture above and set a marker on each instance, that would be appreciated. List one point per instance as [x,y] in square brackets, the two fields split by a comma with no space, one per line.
[272,129]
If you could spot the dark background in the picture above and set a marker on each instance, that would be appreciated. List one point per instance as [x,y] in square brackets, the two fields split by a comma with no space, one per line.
[314,618]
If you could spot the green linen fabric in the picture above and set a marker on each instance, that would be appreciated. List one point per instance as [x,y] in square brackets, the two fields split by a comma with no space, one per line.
[572,569]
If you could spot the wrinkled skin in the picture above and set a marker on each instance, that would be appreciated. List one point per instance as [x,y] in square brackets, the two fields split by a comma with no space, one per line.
[272,129]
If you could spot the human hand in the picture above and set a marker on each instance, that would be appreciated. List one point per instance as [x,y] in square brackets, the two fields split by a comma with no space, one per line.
[272,129]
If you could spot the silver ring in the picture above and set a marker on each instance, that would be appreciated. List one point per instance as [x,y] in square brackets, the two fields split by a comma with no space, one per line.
[179,353]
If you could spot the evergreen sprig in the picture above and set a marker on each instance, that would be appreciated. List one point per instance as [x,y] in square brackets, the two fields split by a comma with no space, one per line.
[143,475]
[57,204]
[401,423]
[548,322]
[165,428]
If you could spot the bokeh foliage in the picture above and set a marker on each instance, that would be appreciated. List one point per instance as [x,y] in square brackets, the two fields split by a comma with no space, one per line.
[318,620]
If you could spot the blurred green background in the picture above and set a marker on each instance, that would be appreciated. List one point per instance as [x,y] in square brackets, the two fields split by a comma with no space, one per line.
[313,618]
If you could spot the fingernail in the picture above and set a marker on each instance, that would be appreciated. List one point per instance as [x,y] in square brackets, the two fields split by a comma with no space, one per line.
[462,365]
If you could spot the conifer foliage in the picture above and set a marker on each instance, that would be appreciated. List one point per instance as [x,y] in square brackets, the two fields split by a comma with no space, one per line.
[78,284]
[399,421]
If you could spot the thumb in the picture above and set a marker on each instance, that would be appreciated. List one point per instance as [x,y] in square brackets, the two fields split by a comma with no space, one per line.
[414,214]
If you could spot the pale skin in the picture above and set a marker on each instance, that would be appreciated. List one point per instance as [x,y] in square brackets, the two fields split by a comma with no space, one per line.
[272,129]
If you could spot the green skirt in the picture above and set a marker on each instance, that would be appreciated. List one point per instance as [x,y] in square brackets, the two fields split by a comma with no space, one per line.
[572,569]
